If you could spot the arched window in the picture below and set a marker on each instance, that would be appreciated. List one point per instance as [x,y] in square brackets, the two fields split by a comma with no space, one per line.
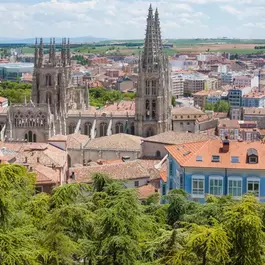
[34,138]
[103,129]
[119,127]
[149,132]
[48,80]
[132,128]
[147,109]
[59,79]
[26,136]
[69,160]
[158,154]
[49,97]
[87,128]
[147,87]
[153,109]
[154,82]
[72,128]
[30,136]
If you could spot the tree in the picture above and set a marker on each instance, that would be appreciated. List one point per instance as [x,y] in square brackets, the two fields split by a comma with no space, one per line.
[173,101]
[243,222]
[221,106]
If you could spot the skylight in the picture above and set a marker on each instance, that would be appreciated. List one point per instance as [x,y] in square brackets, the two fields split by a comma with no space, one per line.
[234,159]
[186,153]
[199,158]
[215,158]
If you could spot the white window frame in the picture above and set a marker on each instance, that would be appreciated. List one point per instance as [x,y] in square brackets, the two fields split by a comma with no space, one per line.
[216,178]
[198,177]
[251,179]
[235,178]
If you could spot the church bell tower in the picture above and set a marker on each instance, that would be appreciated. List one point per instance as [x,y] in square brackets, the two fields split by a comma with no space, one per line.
[153,95]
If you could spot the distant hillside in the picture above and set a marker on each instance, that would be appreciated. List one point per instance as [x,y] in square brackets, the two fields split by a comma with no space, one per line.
[86,39]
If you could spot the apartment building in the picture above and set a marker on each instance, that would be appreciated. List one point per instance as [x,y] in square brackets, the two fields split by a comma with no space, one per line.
[177,85]
[254,99]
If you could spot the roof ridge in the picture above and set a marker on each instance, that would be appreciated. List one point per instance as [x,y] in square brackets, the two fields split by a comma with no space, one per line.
[196,152]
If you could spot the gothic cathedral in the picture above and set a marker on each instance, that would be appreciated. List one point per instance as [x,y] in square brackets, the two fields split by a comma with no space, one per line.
[153,97]
[57,107]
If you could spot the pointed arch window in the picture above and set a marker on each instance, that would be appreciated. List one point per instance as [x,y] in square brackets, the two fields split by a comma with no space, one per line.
[147,109]
[103,129]
[59,79]
[153,109]
[147,87]
[72,128]
[154,87]
[87,128]
[48,80]
[30,136]
[119,127]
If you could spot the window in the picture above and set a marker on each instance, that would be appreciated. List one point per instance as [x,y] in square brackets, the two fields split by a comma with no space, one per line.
[87,128]
[253,186]
[252,160]
[234,159]
[103,129]
[119,127]
[235,187]
[215,158]
[48,80]
[199,158]
[198,186]
[164,189]
[216,186]
[38,189]
[136,183]
[170,169]
[158,154]
[181,123]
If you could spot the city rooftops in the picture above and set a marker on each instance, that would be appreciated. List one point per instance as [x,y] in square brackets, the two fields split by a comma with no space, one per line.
[254,94]
[208,151]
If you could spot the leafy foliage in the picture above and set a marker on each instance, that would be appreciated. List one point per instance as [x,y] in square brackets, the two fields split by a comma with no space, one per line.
[106,224]
[220,106]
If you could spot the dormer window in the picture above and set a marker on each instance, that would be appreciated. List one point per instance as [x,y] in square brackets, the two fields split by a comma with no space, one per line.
[252,156]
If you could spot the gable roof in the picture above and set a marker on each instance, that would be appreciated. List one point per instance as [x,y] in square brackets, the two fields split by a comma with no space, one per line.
[130,170]
[77,140]
[186,154]
[171,137]
[46,175]
[120,141]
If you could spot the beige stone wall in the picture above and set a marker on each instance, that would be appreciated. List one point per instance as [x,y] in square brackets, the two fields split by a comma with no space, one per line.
[78,156]
[184,126]
[150,149]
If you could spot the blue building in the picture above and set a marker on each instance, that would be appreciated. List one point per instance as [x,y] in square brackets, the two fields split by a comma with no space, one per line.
[218,168]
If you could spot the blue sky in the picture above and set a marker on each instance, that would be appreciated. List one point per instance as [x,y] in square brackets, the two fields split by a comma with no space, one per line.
[125,19]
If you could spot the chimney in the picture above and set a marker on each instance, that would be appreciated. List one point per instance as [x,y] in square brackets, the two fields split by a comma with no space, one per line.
[226,144]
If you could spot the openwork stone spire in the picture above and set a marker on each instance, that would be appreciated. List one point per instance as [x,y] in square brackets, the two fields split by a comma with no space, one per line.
[158,32]
[40,61]
[36,53]
[150,46]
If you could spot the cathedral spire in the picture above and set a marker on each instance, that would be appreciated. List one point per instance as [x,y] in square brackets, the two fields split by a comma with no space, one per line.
[68,52]
[63,52]
[150,45]
[53,53]
[36,53]
[50,51]
[158,31]
[40,61]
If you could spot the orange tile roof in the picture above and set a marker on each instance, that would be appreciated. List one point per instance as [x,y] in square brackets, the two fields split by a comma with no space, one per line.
[145,191]
[186,154]
[163,175]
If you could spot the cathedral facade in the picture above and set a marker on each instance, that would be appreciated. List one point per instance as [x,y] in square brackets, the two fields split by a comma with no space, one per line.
[57,107]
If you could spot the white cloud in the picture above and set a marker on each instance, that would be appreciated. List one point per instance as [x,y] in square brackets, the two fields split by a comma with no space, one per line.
[121,19]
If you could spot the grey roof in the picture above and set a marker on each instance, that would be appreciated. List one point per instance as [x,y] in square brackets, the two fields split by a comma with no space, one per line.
[120,141]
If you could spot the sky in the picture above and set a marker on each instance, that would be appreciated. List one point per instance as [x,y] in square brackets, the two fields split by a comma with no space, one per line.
[126,19]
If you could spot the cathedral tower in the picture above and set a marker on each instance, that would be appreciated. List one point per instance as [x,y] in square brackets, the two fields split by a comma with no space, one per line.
[153,96]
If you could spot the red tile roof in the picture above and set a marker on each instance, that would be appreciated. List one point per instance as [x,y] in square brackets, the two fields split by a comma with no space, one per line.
[186,154]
